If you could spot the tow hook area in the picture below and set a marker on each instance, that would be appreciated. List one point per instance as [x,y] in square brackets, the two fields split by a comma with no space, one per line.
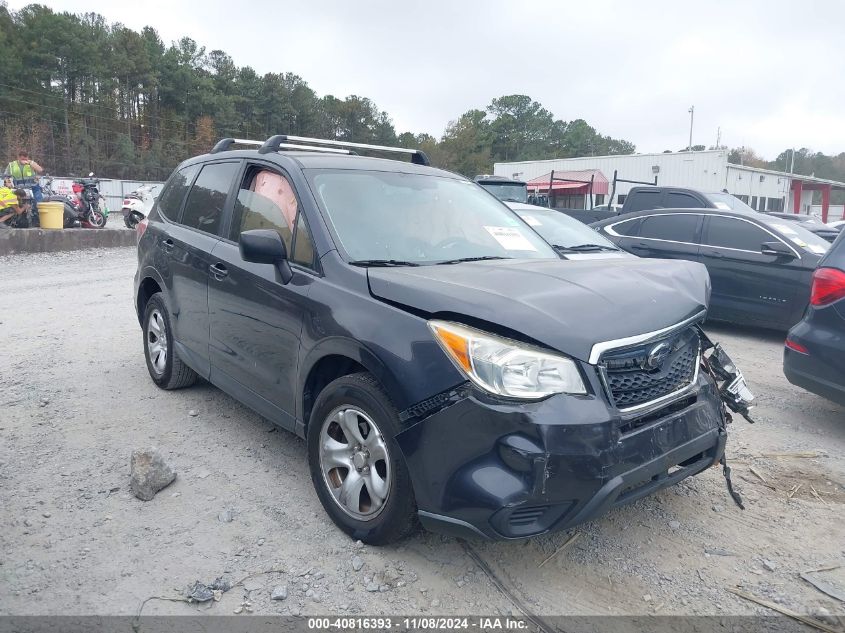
[734,394]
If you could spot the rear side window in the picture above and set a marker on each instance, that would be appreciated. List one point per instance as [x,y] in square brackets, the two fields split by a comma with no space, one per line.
[677,200]
[680,227]
[738,234]
[204,207]
[170,200]
[641,200]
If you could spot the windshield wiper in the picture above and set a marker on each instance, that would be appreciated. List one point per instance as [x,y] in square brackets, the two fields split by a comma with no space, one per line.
[381,262]
[583,248]
[472,259]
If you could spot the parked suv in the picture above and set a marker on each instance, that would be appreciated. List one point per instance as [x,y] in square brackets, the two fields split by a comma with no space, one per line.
[441,361]
[814,356]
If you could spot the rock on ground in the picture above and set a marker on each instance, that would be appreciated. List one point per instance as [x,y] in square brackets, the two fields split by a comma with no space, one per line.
[149,473]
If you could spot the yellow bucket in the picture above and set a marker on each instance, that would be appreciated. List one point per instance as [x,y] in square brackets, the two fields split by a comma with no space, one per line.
[51,215]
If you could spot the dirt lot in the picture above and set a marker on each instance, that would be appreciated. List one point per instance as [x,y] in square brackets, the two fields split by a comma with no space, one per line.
[77,401]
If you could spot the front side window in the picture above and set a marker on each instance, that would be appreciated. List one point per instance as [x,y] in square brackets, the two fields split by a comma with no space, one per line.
[266,200]
[204,206]
[737,234]
[679,227]
[419,218]
[170,200]
[643,200]
[678,200]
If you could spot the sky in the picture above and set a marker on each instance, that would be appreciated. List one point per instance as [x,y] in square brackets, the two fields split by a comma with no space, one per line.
[770,74]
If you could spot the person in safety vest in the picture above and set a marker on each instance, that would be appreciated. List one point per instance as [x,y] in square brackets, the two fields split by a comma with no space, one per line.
[24,168]
[13,208]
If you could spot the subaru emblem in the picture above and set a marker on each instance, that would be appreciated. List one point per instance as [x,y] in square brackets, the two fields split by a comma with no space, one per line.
[656,356]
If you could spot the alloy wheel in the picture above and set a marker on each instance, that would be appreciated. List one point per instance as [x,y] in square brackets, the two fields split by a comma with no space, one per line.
[355,462]
[157,342]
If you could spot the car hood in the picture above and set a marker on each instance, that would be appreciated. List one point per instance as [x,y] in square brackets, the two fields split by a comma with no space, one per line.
[565,305]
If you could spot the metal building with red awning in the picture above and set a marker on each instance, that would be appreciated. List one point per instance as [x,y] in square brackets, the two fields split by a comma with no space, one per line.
[571,189]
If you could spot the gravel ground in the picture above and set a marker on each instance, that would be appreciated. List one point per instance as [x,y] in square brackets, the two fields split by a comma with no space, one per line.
[73,540]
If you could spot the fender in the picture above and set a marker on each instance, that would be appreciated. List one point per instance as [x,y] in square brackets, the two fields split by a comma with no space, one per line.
[149,272]
[350,348]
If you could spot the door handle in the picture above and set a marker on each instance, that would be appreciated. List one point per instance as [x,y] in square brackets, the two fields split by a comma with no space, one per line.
[167,245]
[218,271]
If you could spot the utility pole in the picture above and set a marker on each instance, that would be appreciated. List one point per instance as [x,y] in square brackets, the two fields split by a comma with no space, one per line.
[718,136]
[691,115]
[792,163]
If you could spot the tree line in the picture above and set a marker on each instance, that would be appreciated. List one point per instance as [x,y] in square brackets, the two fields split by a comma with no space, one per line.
[82,94]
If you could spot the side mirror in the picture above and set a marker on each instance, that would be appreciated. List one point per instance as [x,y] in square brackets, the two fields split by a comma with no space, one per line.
[777,249]
[263,246]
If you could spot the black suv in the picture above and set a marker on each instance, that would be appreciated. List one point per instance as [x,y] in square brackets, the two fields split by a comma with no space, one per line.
[441,361]
[814,356]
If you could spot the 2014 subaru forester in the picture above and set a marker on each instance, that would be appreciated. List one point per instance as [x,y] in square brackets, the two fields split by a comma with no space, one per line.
[444,364]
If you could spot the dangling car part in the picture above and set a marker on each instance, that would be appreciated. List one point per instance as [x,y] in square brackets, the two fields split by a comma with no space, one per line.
[734,393]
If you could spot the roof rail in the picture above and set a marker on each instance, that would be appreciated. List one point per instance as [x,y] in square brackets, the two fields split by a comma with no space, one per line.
[286,142]
[225,144]
[273,144]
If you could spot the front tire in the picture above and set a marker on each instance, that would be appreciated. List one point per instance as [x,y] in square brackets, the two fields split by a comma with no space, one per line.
[166,369]
[356,465]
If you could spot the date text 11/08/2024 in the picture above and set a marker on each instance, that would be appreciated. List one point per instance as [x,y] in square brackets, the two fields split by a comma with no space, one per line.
[418,623]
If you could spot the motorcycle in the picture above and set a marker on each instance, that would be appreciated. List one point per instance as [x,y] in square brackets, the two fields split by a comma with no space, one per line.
[71,214]
[137,205]
[92,212]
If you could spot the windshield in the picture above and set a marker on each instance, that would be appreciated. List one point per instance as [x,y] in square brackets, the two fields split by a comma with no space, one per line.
[727,202]
[507,191]
[799,236]
[559,229]
[398,218]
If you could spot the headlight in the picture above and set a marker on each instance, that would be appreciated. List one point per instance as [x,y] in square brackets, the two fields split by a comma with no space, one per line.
[505,367]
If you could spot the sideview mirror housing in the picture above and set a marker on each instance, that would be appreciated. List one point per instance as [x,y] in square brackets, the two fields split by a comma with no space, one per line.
[777,249]
[263,246]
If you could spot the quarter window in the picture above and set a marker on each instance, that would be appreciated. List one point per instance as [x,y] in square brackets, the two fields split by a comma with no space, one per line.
[628,228]
[679,227]
[170,200]
[204,207]
[738,234]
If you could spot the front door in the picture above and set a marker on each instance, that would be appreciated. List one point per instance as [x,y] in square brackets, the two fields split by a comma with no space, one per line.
[256,320]
[747,285]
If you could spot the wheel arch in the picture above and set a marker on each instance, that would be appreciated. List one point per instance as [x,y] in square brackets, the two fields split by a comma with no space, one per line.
[331,360]
[149,285]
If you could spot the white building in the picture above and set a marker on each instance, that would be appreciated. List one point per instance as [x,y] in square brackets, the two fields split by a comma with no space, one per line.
[709,171]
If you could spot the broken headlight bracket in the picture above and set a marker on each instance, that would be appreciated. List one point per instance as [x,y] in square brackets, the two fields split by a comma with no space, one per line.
[733,392]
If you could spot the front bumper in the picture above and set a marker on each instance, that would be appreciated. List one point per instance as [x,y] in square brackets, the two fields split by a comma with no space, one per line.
[502,470]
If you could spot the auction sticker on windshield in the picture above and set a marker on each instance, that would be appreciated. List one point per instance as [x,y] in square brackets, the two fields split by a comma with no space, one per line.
[510,239]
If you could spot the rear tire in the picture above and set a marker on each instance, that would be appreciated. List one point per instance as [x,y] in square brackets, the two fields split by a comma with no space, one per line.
[166,369]
[357,467]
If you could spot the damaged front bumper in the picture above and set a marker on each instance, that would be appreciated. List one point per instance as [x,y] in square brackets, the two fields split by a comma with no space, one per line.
[486,467]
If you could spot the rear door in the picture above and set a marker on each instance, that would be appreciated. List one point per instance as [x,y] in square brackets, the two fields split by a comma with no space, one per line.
[189,243]
[256,320]
[668,236]
[747,285]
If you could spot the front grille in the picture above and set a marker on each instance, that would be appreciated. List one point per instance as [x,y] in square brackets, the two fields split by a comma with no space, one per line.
[643,373]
